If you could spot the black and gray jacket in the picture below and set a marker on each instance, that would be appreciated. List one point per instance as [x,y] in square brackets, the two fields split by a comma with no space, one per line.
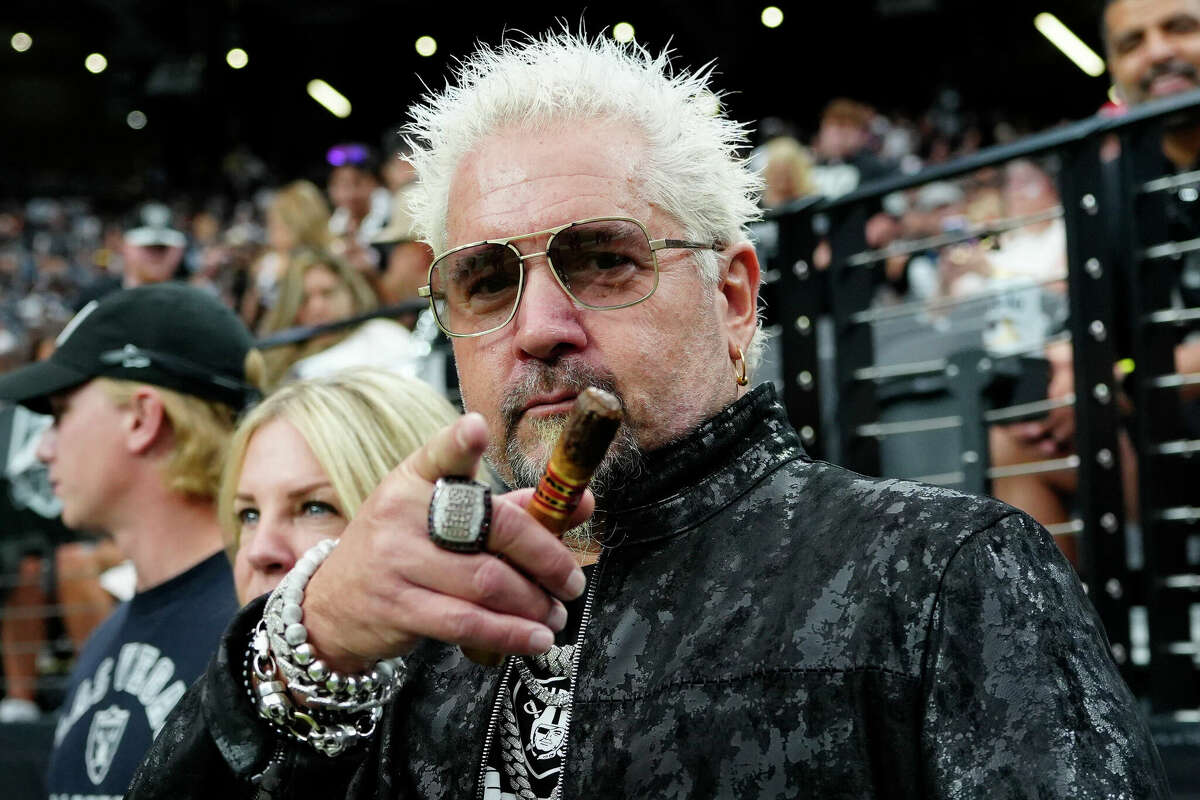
[764,626]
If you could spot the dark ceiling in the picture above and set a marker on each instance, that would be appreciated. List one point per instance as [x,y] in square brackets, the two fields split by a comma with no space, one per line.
[64,129]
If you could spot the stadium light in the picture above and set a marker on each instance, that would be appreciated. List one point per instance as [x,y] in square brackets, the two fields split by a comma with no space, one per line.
[623,32]
[95,63]
[330,98]
[772,16]
[1071,45]
[21,41]
[237,58]
[426,46]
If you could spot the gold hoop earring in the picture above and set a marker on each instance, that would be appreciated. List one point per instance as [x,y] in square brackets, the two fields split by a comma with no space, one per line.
[739,375]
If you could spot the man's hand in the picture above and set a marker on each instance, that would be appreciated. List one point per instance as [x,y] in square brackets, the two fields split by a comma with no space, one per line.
[387,585]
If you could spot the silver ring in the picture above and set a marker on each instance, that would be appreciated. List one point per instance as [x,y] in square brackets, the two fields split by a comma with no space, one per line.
[460,514]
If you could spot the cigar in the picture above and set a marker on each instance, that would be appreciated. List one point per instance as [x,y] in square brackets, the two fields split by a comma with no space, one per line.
[581,447]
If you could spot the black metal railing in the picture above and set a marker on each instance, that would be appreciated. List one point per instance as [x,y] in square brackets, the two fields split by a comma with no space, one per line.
[1122,259]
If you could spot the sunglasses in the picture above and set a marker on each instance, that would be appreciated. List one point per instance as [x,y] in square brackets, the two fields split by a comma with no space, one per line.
[601,263]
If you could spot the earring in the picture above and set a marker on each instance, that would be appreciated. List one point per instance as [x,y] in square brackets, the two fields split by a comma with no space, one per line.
[739,374]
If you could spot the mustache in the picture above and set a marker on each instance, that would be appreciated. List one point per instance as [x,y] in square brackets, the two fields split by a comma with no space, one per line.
[1173,67]
[542,378]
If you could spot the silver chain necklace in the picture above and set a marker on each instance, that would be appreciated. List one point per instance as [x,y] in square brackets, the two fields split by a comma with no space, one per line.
[560,662]
[557,661]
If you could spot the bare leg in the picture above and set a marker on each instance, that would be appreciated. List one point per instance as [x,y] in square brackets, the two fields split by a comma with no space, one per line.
[1041,496]
[23,630]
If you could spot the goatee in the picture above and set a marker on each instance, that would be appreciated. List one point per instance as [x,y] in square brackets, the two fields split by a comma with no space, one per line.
[524,465]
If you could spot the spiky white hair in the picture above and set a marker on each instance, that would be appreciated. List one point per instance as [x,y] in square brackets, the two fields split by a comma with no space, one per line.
[694,170]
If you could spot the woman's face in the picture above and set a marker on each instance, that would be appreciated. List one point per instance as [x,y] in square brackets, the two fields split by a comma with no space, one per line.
[279,235]
[284,505]
[326,297]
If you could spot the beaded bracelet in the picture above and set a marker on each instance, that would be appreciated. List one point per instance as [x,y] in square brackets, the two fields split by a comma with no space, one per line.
[335,709]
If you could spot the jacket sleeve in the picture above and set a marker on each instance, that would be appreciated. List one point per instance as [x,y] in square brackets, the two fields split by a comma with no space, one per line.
[1021,697]
[215,745]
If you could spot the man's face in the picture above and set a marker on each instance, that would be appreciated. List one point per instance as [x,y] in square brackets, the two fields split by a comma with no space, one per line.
[1153,47]
[146,264]
[81,451]
[666,358]
[350,188]
[548,738]
[398,173]
[840,138]
[407,270]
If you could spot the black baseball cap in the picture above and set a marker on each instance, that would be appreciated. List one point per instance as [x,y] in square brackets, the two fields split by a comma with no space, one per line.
[168,334]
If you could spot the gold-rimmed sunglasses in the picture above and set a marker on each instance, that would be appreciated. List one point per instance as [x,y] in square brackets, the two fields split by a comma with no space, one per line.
[601,263]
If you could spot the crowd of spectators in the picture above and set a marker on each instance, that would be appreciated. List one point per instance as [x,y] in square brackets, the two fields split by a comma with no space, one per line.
[57,253]
[296,255]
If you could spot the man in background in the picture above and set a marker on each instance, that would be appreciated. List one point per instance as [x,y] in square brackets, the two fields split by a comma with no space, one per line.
[143,388]
[151,251]
[360,205]
[842,148]
[1153,49]
[405,258]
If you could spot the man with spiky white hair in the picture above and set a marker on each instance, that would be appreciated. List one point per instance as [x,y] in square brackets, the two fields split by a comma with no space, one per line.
[736,620]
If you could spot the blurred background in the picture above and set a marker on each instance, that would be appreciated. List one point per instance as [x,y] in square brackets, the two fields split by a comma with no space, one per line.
[198,97]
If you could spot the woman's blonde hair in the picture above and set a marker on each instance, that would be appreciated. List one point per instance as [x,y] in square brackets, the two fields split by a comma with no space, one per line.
[302,208]
[789,156]
[201,431]
[291,297]
[359,423]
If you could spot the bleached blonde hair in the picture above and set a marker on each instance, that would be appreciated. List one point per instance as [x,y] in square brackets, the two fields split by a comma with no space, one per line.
[359,423]
[694,170]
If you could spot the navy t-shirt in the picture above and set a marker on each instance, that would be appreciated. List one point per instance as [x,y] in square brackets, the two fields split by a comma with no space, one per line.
[131,673]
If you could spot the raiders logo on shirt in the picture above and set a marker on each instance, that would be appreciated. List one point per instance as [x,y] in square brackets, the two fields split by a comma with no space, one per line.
[103,739]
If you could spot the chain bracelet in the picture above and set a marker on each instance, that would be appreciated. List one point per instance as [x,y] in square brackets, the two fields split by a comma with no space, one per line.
[334,710]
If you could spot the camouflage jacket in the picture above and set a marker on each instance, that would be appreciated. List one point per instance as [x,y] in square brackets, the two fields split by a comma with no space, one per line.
[764,626]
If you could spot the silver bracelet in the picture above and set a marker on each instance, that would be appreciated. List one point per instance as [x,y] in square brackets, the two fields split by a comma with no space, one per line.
[335,709]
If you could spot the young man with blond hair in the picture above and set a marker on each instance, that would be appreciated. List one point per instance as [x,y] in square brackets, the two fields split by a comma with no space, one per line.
[143,387]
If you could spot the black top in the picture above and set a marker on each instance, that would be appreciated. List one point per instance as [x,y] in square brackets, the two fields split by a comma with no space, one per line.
[133,670]
[764,626]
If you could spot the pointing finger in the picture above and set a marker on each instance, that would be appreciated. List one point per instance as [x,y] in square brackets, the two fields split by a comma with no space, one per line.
[454,450]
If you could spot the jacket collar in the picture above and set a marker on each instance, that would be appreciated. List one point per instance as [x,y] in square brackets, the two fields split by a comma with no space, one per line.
[692,479]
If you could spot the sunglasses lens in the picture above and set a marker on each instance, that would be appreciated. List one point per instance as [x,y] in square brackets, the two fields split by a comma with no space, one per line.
[475,289]
[604,263]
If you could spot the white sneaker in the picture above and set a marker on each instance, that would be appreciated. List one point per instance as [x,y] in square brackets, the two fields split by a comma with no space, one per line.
[14,709]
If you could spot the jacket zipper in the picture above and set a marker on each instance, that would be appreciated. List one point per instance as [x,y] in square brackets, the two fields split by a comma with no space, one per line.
[583,623]
[492,723]
[267,781]
[490,736]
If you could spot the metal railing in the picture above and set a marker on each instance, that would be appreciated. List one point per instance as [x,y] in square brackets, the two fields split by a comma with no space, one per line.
[1120,254]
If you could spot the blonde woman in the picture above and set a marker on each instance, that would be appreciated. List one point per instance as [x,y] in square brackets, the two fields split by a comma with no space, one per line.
[302,461]
[320,288]
[297,217]
[788,172]
[317,288]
